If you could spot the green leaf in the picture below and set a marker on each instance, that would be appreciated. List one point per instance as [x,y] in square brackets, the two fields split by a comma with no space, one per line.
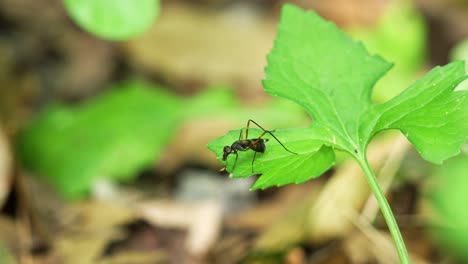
[276,160]
[430,114]
[112,136]
[113,19]
[317,66]
[447,198]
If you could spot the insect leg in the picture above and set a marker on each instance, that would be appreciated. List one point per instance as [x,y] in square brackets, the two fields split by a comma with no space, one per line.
[269,132]
[250,120]
[280,143]
[235,161]
[255,154]
[256,141]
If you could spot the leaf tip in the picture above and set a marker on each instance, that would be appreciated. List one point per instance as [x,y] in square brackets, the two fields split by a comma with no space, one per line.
[254,188]
[288,7]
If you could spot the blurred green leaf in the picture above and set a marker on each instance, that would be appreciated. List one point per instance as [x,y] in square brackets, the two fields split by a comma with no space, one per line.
[460,52]
[211,101]
[113,135]
[5,255]
[113,19]
[448,200]
[222,103]
[399,36]
[448,194]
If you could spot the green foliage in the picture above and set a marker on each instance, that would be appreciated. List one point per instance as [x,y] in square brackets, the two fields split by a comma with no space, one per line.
[123,131]
[277,160]
[5,255]
[447,195]
[430,114]
[113,19]
[113,135]
[448,198]
[399,36]
[317,66]
[460,52]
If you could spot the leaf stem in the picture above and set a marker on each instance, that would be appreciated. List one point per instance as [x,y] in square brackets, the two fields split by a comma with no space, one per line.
[385,208]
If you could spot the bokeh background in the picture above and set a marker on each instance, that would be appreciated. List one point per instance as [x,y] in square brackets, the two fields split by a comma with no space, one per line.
[103,137]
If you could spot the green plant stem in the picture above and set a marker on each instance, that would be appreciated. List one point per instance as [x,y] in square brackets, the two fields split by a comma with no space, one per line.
[386,210]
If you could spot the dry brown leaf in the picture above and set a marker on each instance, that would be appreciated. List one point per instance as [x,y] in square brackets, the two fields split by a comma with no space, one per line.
[260,217]
[202,220]
[288,226]
[323,216]
[346,191]
[95,216]
[295,256]
[81,249]
[370,245]
[188,44]
[88,228]
[8,232]
[5,168]
[136,258]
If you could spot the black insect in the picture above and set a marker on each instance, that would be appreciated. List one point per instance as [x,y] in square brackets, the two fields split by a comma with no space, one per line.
[255,144]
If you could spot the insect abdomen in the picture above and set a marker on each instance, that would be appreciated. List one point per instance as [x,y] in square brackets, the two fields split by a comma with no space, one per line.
[260,146]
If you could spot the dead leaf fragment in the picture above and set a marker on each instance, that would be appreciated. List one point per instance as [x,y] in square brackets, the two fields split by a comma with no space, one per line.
[189,44]
[202,220]
[5,168]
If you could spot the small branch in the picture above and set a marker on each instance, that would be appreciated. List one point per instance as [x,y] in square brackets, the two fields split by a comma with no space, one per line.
[386,210]
[386,175]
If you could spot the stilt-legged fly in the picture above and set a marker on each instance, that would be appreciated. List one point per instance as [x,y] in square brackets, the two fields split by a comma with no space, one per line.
[255,144]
